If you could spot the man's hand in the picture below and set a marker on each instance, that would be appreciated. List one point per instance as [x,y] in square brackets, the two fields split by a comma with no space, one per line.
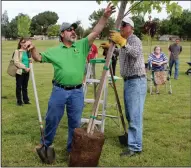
[27,69]
[29,45]
[101,23]
[105,45]
[117,38]
[109,10]
[35,55]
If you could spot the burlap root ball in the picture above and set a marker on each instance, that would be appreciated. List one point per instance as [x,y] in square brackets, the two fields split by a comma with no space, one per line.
[86,148]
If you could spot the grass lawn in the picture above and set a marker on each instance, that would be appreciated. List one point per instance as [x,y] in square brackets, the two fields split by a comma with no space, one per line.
[166,132]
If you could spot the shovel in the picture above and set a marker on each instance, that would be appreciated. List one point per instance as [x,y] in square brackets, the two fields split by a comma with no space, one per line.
[46,154]
[123,139]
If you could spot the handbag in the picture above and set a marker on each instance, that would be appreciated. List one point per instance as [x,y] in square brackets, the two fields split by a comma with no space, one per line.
[12,68]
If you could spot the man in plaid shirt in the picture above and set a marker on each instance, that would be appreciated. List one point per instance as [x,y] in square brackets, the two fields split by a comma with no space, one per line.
[132,69]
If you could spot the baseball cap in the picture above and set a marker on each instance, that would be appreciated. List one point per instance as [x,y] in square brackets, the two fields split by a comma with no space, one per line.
[66,25]
[128,21]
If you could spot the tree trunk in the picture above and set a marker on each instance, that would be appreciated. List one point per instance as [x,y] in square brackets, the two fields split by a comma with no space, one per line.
[120,16]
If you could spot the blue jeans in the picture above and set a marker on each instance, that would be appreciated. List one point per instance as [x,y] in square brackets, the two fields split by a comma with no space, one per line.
[74,101]
[171,63]
[134,98]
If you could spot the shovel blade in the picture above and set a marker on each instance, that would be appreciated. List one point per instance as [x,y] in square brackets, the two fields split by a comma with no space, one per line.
[51,155]
[123,139]
[46,154]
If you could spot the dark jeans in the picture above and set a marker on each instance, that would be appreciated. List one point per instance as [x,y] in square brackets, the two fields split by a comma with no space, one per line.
[21,85]
[171,63]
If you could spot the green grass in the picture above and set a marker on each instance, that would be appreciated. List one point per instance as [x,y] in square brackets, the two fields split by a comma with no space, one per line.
[166,134]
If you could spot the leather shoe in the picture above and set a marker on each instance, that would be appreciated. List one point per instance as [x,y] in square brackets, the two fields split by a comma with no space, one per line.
[129,153]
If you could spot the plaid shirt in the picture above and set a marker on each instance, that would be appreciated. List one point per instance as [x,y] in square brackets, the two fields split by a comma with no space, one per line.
[131,58]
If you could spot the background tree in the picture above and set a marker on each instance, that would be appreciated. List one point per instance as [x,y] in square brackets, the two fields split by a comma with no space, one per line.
[79,30]
[186,23]
[138,22]
[12,31]
[143,7]
[23,26]
[53,30]
[94,18]
[177,26]
[41,22]
[87,32]
[4,23]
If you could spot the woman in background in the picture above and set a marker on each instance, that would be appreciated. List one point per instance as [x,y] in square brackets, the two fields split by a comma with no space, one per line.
[21,60]
[156,60]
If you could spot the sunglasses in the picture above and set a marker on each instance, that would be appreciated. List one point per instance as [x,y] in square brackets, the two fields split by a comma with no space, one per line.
[70,29]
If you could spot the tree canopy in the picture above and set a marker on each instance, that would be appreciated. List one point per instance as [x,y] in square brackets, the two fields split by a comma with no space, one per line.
[23,26]
[41,22]
[94,18]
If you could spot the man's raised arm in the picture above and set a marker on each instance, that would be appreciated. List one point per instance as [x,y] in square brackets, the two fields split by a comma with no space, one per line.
[101,23]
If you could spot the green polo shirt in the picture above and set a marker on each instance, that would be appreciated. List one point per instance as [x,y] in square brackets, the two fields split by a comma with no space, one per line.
[68,63]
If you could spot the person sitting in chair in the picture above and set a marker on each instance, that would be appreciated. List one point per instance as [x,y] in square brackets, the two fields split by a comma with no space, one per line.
[157,60]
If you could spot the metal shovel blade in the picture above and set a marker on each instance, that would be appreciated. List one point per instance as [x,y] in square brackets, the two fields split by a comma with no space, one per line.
[123,139]
[46,154]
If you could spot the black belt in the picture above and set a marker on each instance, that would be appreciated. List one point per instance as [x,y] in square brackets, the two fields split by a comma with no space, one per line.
[66,87]
[133,77]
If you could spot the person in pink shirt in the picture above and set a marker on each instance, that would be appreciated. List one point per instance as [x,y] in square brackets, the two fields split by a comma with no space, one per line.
[93,53]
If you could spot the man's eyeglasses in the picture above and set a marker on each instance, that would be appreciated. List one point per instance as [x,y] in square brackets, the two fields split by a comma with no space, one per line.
[70,29]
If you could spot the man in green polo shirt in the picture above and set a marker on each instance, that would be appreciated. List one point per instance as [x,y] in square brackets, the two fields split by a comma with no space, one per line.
[68,60]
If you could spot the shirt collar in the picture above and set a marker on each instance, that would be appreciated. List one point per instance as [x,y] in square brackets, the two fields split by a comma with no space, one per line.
[73,45]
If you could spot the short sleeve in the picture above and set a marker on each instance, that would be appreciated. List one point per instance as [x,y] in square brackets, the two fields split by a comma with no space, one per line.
[164,57]
[46,56]
[169,48]
[180,48]
[150,59]
[86,46]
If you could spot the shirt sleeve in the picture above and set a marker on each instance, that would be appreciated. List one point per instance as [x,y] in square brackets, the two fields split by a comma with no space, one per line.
[17,59]
[169,48]
[86,46]
[180,49]
[165,58]
[46,56]
[150,58]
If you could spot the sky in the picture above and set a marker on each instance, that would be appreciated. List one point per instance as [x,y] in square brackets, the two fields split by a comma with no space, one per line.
[69,11]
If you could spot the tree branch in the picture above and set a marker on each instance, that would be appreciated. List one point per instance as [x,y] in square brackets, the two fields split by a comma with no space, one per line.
[133,6]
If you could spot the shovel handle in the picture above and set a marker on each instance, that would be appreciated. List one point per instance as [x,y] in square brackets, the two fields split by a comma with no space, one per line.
[118,101]
[35,92]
